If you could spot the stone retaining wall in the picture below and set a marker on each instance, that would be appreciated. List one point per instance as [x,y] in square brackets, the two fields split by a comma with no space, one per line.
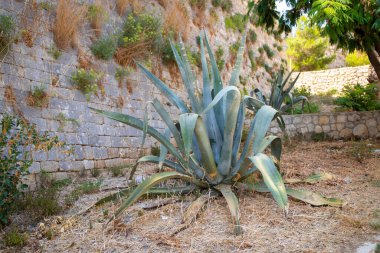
[323,80]
[343,125]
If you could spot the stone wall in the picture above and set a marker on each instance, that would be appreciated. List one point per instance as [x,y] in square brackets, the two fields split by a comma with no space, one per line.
[340,125]
[324,80]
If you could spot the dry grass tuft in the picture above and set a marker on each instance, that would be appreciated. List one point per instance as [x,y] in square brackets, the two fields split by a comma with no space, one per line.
[125,55]
[84,60]
[69,18]
[122,6]
[176,18]
[97,15]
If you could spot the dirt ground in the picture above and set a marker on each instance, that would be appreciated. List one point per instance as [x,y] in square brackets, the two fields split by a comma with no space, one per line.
[306,229]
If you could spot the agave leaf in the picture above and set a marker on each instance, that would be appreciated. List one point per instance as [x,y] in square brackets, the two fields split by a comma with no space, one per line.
[136,123]
[259,95]
[315,199]
[292,83]
[154,159]
[187,75]
[169,123]
[165,90]
[295,101]
[315,178]
[253,104]
[272,179]
[274,142]
[238,133]
[145,125]
[239,59]
[233,205]
[163,150]
[218,97]
[142,188]
[187,122]
[196,168]
[265,116]
[232,112]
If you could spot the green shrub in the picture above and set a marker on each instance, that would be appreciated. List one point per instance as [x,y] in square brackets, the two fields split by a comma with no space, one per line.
[200,4]
[13,238]
[86,81]
[261,50]
[359,97]
[54,52]
[226,5]
[297,109]
[17,134]
[357,58]
[268,51]
[234,48]
[235,22]
[155,150]
[219,58]
[319,137]
[329,93]
[104,48]
[38,97]
[117,171]
[251,56]
[279,48]
[303,90]
[7,31]
[122,73]
[252,36]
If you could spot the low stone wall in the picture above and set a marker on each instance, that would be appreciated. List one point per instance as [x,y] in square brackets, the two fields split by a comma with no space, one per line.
[342,125]
[323,80]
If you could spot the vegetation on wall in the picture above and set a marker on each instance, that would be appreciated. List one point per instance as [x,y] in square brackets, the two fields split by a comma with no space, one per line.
[219,54]
[38,97]
[104,48]
[17,135]
[268,51]
[200,4]
[86,81]
[358,97]
[176,19]
[357,58]
[69,18]
[307,50]
[7,32]
[226,5]
[97,15]
[235,22]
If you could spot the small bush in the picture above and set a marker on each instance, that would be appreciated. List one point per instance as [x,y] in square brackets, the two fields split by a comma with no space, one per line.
[235,22]
[297,109]
[261,50]
[117,171]
[104,48]
[7,30]
[234,48]
[357,58]
[200,4]
[359,98]
[155,150]
[252,36]
[13,238]
[69,18]
[219,58]
[319,137]
[302,91]
[226,5]
[86,81]
[329,93]
[82,189]
[38,97]
[251,56]
[17,134]
[54,52]
[139,37]
[268,51]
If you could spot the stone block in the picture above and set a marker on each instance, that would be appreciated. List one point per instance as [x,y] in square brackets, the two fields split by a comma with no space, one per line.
[88,165]
[345,133]
[71,165]
[323,120]
[326,128]
[318,129]
[360,131]
[35,168]
[306,119]
[50,166]
[371,123]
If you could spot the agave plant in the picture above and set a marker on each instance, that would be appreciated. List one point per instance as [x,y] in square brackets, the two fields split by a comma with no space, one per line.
[280,91]
[209,154]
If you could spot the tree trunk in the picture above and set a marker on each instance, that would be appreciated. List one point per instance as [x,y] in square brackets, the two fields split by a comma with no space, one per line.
[376,65]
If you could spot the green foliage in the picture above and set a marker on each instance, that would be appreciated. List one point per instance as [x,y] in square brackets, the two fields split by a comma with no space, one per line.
[235,22]
[279,48]
[251,56]
[86,81]
[357,58]
[252,36]
[267,68]
[63,120]
[122,73]
[104,48]
[243,80]
[17,134]
[307,49]
[117,171]
[7,31]
[299,109]
[155,150]
[200,4]
[261,50]
[13,238]
[94,10]
[138,28]
[46,5]
[38,97]
[234,48]
[82,189]
[202,157]
[268,51]
[226,5]
[219,58]
[359,98]
[319,137]
[54,52]
[303,90]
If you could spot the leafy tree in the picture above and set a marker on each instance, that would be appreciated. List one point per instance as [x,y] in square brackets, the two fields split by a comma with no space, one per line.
[307,49]
[357,58]
[350,24]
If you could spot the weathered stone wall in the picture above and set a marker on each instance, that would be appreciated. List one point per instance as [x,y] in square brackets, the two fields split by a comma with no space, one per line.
[324,80]
[98,142]
[340,125]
